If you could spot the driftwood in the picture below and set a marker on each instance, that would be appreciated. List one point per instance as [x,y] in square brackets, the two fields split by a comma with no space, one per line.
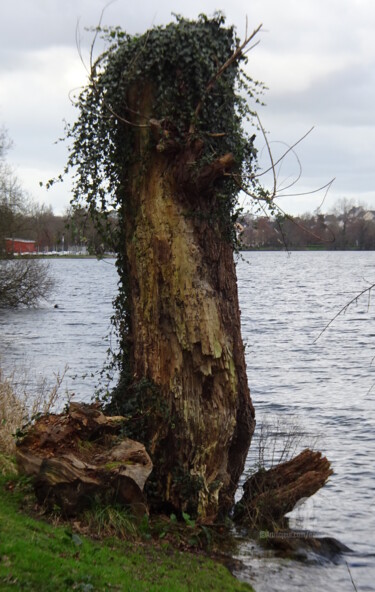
[80,456]
[270,494]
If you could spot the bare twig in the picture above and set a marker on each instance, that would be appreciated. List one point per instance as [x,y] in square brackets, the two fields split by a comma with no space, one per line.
[272,168]
[327,186]
[351,577]
[290,149]
[344,309]
[98,28]
[92,69]
[297,178]
[236,55]
[302,227]
[269,199]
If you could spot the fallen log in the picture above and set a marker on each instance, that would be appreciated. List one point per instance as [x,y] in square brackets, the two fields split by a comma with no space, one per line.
[81,455]
[270,494]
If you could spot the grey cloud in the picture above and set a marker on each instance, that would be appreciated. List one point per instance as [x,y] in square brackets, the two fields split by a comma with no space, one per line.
[340,103]
[346,97]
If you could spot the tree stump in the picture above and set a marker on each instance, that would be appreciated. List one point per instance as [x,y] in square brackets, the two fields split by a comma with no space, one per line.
[81,455]
[270,494]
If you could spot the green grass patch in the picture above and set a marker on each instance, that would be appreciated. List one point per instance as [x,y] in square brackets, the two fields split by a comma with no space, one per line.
[36,555]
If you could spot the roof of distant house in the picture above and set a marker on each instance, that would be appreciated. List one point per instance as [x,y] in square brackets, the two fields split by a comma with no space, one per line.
[20,240]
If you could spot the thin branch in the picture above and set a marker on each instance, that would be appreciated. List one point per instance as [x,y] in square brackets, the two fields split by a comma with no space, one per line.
[270,200]
[325,194]
[297,178]
[351,577]
[236,55]
[344,309]
[326,186]
[304,228]
[270,156]
[285,153]
[78,45]
[283,236]
[91,71]
[71,97]
[278,224]
[271,197]
[98,28]
[276,192]
[250,48]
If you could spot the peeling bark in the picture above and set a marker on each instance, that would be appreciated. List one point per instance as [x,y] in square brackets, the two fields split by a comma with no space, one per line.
[269,495]
[185,329]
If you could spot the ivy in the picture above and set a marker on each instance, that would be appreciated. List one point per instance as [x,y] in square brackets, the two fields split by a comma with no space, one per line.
[177,61]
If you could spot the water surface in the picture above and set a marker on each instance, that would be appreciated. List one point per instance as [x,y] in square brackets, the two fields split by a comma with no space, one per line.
[328,387]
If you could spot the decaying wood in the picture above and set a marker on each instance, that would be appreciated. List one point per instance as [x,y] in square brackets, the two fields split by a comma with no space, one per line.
[185,331]
[80,455]
[269,495]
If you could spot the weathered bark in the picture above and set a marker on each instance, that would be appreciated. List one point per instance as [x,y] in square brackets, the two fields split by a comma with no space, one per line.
[185,327]
[269,495]
[80,455]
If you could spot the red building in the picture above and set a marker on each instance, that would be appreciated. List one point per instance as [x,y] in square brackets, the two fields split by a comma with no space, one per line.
[19,246]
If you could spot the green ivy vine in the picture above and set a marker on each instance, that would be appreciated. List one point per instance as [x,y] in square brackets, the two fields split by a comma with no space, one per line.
[179,61]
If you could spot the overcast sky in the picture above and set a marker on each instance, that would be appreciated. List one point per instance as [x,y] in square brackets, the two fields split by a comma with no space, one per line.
[317,58]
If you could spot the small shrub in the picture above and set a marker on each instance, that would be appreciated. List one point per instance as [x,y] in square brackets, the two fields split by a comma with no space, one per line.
[23,282]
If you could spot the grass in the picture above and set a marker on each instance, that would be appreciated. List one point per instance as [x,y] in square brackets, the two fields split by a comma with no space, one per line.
[105,549]
[36,555]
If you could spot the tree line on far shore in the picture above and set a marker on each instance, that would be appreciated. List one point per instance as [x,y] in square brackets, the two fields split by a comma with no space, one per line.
[23,218]
[23,282]
[72,231]
[346,227]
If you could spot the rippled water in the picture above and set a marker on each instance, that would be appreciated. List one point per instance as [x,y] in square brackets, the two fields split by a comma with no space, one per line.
[329,386]
[75,334]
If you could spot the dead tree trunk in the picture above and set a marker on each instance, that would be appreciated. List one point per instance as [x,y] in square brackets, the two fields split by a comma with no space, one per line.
[185,337]
[159,138]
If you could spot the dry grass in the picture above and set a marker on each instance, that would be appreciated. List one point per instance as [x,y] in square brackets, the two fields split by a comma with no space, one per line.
[18,408]
[280,439]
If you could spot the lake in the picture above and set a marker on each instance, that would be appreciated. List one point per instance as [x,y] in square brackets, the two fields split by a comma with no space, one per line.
[325,388]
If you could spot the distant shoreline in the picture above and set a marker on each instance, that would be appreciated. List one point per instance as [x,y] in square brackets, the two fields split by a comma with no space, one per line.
[242,250]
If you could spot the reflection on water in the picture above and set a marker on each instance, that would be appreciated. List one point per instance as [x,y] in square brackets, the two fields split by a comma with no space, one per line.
[329,385]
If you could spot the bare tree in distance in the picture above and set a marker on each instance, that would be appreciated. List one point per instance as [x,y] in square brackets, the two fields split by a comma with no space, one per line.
[23,282]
